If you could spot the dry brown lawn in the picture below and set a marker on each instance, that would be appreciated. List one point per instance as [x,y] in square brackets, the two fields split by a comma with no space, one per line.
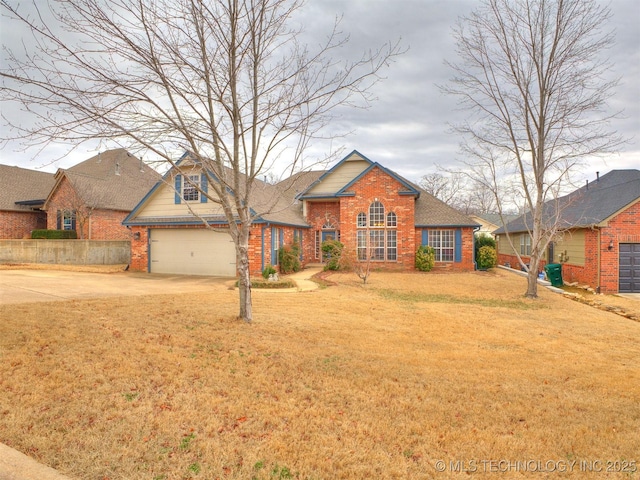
[347,382]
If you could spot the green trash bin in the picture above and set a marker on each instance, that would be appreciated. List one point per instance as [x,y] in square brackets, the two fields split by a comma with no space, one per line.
[554,274]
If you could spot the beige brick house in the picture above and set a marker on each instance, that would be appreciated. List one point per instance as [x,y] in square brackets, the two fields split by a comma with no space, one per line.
[376,214]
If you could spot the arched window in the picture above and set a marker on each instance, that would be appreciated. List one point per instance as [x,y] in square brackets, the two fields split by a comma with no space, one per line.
[377,241]
[376,215]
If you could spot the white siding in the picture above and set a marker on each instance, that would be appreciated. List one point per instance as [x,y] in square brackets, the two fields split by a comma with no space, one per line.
[162,203]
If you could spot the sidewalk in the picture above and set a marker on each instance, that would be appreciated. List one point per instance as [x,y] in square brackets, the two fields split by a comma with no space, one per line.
[17,466]
[302,280]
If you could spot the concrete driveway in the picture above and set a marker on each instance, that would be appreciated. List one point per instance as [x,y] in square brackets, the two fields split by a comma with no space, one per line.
[26,286]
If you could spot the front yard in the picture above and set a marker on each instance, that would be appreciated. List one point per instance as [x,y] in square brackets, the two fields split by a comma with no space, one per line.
[350,382]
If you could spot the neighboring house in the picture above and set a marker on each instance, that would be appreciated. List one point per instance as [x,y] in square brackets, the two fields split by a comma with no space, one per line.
[369,208]
[22,195]
[599,243]
[489,222]
[94,197]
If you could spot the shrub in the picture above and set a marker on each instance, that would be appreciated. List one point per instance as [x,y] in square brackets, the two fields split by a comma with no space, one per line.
[425,258]
[484,240]
[332,251]
[268,270]
[289,258]
[54,234]
[487,257]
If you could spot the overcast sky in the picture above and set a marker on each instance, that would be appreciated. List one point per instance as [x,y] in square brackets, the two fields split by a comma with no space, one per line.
[406,128]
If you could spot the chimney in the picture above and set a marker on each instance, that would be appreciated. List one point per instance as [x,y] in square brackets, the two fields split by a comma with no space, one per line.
[597,176]
[587,184]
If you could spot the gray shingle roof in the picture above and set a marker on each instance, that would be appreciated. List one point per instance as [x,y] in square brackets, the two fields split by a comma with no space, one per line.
[114,180]
[431,211]
[591,204]
[20,184]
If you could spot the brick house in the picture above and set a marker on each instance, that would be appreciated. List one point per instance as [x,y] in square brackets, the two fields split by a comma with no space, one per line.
[94,197]
[22,195]
[599,240]
[373,211]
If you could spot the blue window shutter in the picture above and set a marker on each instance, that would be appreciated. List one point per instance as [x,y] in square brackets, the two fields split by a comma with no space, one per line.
[73,220]
[178,186]
[458,245]
[204,187]
[274,254]
[425,237]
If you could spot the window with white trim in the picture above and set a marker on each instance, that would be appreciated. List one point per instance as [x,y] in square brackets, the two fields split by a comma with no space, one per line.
[376,215]
[525,244]
[190,185]
[377,237]
[443,242]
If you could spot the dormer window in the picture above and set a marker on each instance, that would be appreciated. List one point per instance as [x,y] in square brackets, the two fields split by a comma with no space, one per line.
[190,186]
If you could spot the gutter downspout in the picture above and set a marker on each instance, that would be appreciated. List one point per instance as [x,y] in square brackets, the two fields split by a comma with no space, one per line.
[599,260]
[475,264]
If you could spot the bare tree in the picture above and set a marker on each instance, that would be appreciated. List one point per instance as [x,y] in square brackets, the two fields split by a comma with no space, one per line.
[532,76]
[447,188]
[226,80]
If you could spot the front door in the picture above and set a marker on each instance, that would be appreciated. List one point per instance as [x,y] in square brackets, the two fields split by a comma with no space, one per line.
[327,235]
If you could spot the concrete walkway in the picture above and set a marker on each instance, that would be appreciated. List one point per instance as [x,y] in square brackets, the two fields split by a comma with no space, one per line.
[17,466]
[302,279]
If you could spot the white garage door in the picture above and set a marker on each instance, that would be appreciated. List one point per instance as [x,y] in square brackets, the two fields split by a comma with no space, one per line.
[192,252]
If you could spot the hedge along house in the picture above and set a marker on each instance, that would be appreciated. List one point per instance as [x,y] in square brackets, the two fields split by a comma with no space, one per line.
[95,196]
[367,207]
[598,243]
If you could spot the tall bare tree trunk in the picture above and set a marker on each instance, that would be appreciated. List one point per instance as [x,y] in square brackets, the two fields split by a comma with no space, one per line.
[244,283]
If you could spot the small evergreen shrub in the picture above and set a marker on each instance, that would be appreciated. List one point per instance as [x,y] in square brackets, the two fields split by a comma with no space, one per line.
[289,258]
[484,240]
[425,258]
[54,234]
[268,270]
[487,257]
[332,251]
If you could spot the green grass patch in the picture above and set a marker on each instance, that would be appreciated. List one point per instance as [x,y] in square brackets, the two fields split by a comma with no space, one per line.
[415,297]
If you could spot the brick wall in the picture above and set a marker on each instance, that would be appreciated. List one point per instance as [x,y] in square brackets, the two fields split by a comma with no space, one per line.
[139,249]
[623,228]
[20,224]
[374,185]
[378,185]
[107,225]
